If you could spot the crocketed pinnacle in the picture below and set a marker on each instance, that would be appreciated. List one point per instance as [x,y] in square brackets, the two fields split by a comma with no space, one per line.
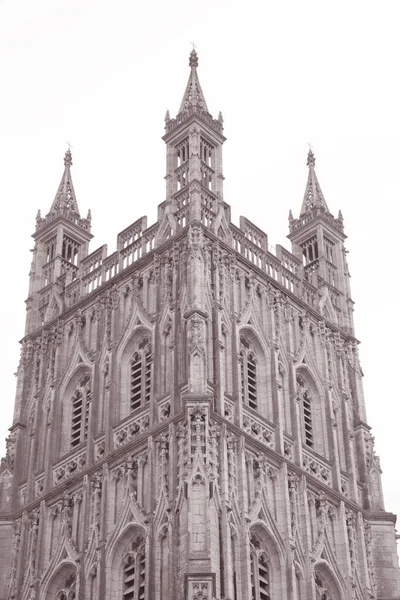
[65,197]
[313,197]
[193,95]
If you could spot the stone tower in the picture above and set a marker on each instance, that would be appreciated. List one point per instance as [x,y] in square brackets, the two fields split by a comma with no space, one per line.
[189,419]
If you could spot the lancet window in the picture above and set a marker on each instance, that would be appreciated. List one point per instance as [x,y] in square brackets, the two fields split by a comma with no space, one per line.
[134,572]
[70,250]
[306,411]
[51,249]
[182,164]
[248,374]
[260,572]
[81,399]
[328,247]
[310,250]
[140,375]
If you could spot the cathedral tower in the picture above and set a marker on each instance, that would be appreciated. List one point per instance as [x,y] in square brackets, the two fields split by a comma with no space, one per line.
[189,419]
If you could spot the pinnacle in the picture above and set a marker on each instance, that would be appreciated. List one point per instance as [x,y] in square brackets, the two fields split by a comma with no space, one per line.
[313,197]
[65,197]
[193,95]
[310,159]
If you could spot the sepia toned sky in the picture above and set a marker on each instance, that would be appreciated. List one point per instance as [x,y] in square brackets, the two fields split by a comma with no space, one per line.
[284,74]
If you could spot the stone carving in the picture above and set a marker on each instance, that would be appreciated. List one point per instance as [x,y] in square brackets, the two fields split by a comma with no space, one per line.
[370,563]
[17,530]
[34,519]
[95,506]
[231,443]
[317,468]
[293,482]
[68,468]
[129,431]
[163,449]
[322,516]
[372,460]
[351,537]
[258,429]
[11,443]
[164,411]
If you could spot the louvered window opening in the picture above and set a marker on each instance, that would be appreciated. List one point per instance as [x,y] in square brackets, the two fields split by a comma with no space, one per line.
[260,585]
[242,376]
[134,577]
[307,412]
[263,578]
[147,377]
[140,379]
[252,381]
[129,579]
[136,382]
[80,414]
[248,378]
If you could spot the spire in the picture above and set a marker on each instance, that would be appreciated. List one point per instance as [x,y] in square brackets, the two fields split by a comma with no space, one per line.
[193,95]
[65,197]
[313,197]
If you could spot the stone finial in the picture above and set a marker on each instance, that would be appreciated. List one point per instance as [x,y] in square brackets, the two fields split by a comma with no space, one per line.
[68,158]
[310,159]
[220,117]
[89,215]
[193,59]
[167,116]
[290,216]
[340,215]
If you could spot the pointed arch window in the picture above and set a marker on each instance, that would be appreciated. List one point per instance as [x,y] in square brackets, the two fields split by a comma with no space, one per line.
[134,572]
[321,591]
[260,581]
[140,376]
[69,590]
[306,410]
[248,374]
[81,399]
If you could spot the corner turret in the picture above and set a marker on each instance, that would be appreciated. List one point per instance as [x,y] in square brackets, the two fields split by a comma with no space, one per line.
[61,242]
[194,161]
[318,241]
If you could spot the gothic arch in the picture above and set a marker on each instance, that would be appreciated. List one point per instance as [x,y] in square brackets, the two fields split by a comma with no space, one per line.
[163,571]
[312,417]
[250,342]
[326,582]
[135,534]
[266,562]
[138,343]
[64,576]
[72,379]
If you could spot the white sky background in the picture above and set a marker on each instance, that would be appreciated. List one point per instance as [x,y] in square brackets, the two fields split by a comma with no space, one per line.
[284,73]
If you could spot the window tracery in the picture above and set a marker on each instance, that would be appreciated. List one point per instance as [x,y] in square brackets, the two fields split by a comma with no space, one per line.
[248,374]
[134,571]
[260,571]
[321,592]
[81,399]
[68,592]
[140,375]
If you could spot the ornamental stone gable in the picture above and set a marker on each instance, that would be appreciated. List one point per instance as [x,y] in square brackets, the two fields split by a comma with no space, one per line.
[189,419]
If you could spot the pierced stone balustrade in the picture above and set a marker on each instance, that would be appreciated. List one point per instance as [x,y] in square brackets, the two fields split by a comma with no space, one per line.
[69,466]
[132,428]
[317,467]
[259,429]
